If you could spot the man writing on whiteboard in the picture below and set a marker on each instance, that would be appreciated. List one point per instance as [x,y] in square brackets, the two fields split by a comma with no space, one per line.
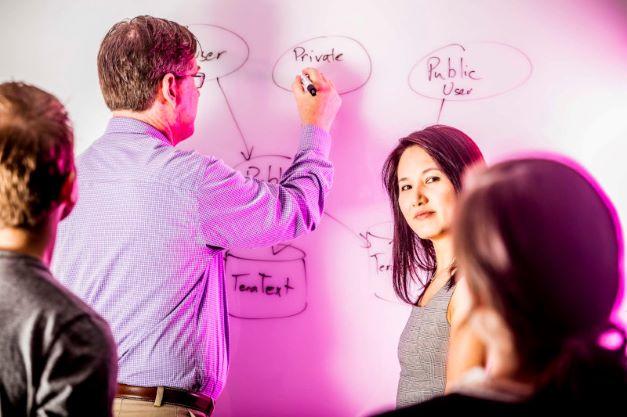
[145,244]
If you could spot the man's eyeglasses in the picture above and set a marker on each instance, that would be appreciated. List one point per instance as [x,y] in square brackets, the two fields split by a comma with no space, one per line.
[199,78]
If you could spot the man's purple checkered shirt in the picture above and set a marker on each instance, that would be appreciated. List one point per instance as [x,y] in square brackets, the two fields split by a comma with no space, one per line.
[145,245]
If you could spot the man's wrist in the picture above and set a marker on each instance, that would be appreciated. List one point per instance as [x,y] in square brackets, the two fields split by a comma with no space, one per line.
[316,138]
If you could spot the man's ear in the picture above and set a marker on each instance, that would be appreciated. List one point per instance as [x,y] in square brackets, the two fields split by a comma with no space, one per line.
[69,194]
[168,89]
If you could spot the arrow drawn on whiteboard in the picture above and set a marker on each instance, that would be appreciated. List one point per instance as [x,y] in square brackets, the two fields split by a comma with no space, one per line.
[363,239]
[276,249]
[247,154]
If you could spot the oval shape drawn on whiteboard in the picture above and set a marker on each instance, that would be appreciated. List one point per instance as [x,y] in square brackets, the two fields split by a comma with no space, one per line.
[470,72]
[221,51]
[343,60]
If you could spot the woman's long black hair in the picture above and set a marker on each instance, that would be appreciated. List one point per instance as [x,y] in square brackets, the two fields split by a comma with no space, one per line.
[413,257]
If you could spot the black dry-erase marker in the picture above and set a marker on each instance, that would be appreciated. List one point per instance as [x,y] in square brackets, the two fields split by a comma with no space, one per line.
[308,84]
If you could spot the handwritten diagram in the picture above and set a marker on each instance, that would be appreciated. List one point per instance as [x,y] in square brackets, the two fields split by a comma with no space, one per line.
[342,59]
[473,71]
[377,242]
[379,245]
[222,52]
[271,283]
[266,283]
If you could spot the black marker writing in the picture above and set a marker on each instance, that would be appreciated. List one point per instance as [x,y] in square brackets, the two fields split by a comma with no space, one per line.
[379,266]
[262,286]
[253,171]
[454,70]
[210,55]
[301,55]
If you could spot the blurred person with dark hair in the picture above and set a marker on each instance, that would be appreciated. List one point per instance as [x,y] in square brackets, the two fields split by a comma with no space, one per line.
[57,356]
[145,244]
[540,246]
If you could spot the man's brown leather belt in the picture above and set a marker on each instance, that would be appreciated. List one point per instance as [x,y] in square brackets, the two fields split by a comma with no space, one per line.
[165,395]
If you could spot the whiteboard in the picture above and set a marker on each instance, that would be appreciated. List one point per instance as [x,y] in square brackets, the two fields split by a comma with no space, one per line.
[314,324]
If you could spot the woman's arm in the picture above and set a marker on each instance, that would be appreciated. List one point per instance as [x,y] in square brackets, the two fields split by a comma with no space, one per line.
[465,349]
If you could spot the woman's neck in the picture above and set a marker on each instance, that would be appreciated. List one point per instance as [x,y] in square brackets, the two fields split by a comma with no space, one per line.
[444,257]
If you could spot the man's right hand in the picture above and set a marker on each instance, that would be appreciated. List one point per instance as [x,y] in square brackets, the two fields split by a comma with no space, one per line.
[318,110]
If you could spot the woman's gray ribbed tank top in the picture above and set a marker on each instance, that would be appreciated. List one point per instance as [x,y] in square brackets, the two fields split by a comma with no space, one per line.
[422,350]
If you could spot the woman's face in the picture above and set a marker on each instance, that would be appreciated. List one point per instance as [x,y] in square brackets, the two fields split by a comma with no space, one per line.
[426,196]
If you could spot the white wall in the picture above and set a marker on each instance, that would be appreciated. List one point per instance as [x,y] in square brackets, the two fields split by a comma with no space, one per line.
[560,67]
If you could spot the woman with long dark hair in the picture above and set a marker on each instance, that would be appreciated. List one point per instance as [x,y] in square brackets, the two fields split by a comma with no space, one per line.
[541,249]
[423,176]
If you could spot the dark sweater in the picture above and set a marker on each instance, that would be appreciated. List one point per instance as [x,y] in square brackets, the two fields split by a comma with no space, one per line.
[57,356]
